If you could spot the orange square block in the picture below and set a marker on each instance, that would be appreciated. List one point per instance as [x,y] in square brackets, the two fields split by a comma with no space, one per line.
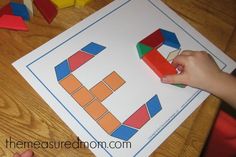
[96,109]
[70,83]
[82,96]
[101,91]
[109,123]
[114,81]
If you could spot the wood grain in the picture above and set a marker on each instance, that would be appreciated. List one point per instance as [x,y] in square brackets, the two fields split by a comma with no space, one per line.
[25,116]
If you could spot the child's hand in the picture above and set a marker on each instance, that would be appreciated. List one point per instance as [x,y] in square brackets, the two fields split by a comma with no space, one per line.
[197,69]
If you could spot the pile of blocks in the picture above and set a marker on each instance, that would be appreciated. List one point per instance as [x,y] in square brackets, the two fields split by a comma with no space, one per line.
[13,15]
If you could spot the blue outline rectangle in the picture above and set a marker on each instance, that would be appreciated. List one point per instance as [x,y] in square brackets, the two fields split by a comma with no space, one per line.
[67,110]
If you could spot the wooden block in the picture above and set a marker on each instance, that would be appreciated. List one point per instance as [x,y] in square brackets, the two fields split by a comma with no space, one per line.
[29,5]
[6,10]
[114,81]
[143,49]
[159,64]
[20,9]
[109,122]
[63,3]
[101,91]
[96,109]
[81,3]
[70,83]
[154,40]
[47,9]
[13,22]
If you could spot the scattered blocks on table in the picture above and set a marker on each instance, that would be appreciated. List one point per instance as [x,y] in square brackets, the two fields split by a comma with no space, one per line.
[109,122]
[114,81]
[159,64]
[81,3]
[138,118]
[83,96]
[63,3]
[47,9]
[78,59]
[20,9]
[101,91]
[62,70]
[124,132]
[13,22]
[95,109]
[93,48]
[154,106]
[70,83]
[143,49]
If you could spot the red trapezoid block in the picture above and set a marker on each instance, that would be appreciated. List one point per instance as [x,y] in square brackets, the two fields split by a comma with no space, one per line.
[13,22]
[154,40]
[158,63]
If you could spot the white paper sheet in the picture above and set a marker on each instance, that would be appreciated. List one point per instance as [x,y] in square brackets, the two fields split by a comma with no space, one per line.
[119,27]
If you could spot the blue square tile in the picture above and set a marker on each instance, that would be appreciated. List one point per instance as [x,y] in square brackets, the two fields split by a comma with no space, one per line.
[93,48]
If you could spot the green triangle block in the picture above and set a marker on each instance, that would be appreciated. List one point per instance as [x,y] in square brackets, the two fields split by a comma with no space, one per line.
[143,49]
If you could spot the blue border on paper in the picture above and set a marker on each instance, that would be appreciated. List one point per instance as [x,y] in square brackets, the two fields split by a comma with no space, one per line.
[170,120]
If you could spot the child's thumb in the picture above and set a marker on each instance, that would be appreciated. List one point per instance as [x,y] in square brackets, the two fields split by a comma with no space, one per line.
[173,79]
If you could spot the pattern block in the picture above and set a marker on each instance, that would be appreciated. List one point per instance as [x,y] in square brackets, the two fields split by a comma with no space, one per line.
[170,39]
[13,22]
[138,118]
[63,3]
[91,99]
[114,81]
[159,64]
[78,59]
[124,132]
[6,10]
[19,9]
[47,9]
[147,50]
[81,3]
[154,106]
[62,70]
[70,83]
[93,48]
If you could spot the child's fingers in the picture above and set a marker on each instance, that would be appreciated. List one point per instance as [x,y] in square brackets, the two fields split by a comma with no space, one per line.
[173,79]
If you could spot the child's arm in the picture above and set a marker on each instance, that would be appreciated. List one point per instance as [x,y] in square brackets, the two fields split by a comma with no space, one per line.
[199,70]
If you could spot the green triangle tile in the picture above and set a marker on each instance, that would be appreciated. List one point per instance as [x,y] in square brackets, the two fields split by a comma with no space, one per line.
[143,49]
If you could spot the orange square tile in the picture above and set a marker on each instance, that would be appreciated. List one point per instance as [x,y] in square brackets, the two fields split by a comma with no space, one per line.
[96,109]
[109,123]
[101,91]
[82,96]
[70,83]
[114,81]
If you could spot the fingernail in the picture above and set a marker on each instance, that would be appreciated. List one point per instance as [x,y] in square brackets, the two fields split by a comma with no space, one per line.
[164,80]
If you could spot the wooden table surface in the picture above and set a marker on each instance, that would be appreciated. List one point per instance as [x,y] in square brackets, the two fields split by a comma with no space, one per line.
[24,116]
